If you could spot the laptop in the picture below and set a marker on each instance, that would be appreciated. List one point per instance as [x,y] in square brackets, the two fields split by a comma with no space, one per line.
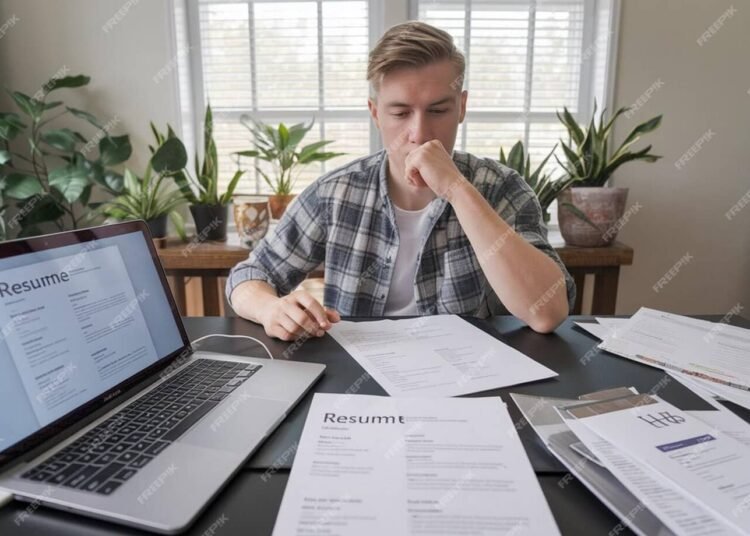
[105,408]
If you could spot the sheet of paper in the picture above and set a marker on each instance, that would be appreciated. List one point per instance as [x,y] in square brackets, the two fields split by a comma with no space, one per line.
[597,330]
[715,352]
[544,418]
[722,419]
[436,356]
[676,509]
[612,323]
[374,466]
[703,462]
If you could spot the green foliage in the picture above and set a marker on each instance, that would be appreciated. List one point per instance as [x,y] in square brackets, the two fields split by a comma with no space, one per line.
[146,197]
[203,189]
[587,152]
[279,147]
[50,178]
[544,185]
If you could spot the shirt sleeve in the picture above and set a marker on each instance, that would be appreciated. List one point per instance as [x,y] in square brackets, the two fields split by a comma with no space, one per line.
[288,254]
[516,203]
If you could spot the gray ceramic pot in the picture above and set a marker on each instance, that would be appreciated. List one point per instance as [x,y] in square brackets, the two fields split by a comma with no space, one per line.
[602,206]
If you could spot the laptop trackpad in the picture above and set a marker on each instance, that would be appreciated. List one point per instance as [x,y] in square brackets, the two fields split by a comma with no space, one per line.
[238,425]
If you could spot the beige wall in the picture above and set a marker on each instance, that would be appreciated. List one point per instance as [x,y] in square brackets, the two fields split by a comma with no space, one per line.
[51,35]
[705,88]
[683,211]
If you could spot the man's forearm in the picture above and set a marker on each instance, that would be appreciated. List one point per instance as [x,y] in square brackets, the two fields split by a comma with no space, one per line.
[527,281]
[251,298]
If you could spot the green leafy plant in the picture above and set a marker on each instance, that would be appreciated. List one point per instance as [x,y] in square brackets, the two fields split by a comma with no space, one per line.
[147,197]
[279,147]
[203,189]
[587,152]
[50,180]
[544,185]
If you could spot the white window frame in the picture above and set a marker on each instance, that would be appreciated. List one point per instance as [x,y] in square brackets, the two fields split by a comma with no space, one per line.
[383,14]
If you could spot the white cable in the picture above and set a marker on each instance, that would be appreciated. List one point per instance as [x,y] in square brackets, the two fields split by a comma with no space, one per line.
[234,337]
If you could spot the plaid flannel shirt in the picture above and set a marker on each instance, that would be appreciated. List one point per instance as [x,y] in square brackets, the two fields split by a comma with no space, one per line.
[345,221]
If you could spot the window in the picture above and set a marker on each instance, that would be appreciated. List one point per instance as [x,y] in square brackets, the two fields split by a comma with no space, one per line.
[292,61]
[285,62]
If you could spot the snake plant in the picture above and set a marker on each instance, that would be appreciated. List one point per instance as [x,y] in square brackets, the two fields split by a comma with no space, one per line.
[545,187]
[587,151]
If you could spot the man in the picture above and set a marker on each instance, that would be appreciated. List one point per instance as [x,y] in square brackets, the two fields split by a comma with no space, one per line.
[415,229]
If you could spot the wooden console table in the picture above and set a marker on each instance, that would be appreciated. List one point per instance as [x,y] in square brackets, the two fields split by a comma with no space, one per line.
[212,260]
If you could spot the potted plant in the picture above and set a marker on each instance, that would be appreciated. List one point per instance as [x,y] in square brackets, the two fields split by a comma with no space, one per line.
[545,187]
[50,178]
[209,208]
[588,212]
[279,147]
[146,198]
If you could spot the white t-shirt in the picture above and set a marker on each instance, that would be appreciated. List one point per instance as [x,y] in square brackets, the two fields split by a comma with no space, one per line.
[412,226]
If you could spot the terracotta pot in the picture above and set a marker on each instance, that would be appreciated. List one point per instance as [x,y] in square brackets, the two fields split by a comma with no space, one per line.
[278,204]
[602,206]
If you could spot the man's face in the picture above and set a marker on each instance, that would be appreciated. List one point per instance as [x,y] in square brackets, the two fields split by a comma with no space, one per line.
[414,106]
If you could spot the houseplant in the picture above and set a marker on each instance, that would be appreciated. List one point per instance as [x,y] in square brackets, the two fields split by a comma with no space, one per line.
[279,147]
[146,197]
[209,208]
[589,212]
[545,187]
[50,177]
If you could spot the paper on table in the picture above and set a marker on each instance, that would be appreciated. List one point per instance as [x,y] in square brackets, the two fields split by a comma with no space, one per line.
[597,330]
[716,352]
[370,465]
[439,355]
[542,415]
[679,511]
[704,463]
[722,419]
[603,327]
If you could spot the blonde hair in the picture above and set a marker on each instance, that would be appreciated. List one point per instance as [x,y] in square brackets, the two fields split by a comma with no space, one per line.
[413,44]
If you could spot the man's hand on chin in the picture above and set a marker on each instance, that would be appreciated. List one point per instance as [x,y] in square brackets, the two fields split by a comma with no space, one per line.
[430,165]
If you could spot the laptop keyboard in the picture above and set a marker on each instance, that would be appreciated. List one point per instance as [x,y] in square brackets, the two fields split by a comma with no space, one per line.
[111,453]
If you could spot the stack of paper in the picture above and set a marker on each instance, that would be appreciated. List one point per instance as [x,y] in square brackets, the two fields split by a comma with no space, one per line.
[371,465]
[660,469]
[716,355]
[438,356]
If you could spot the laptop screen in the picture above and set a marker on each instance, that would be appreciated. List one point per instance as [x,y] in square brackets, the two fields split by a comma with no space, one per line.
[77,320]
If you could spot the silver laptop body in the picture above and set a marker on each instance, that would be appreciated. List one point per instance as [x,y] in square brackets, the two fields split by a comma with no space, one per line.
[163,486]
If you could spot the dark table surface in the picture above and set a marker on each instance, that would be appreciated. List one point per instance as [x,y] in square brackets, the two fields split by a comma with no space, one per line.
[250,501]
